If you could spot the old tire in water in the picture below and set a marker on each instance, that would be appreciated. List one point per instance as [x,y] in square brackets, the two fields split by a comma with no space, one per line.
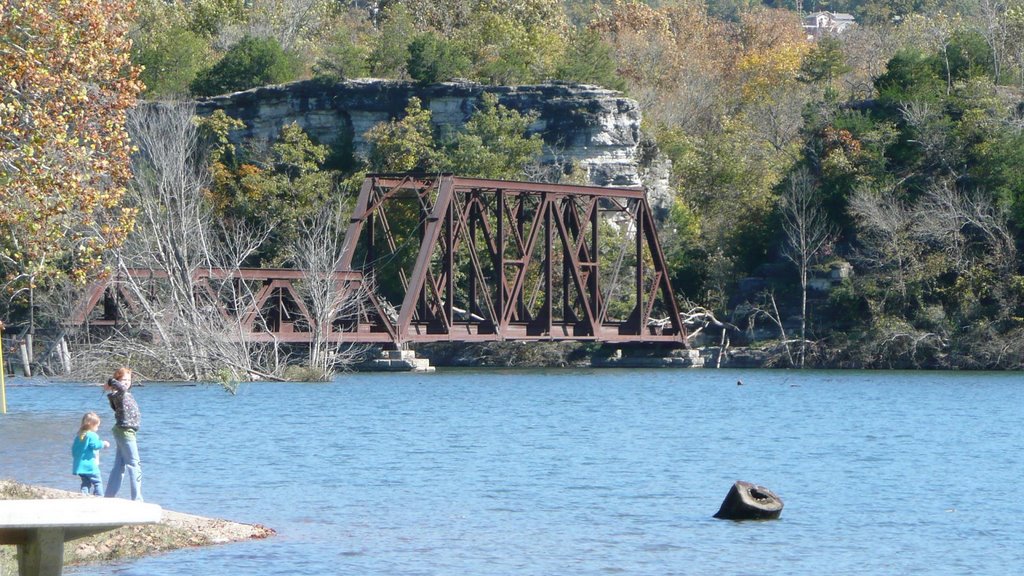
[746,501]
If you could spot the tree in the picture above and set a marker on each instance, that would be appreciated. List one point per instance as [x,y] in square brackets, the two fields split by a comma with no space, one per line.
[590,60]
[317,251]
[824,64]
[910,75]
[170,59]
[279,187]
[768,76]
[344,57]
[809,236]
[506,49]
[177,331]
[494,143]
[885,227]
[994,28]
[250,63]
[1015,39]
[448,16]
[435,59]
[64,151]
[405,145]
[866,50]
[444,16]
[389,49]
[209,17]
[501,49]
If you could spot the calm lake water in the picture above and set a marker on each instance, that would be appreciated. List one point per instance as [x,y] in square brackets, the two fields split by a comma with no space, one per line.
[567,471]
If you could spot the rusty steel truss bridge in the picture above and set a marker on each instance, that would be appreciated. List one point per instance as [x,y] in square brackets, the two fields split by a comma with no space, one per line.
[445,258]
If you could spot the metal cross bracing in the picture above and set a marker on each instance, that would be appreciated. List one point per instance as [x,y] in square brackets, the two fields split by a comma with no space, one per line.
[251,304]
[444,258]
[480,260]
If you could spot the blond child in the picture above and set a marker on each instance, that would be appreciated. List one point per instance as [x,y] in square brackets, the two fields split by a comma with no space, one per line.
[85,454]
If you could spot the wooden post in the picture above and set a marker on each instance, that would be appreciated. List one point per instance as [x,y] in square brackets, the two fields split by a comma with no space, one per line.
[65,354]
[26,367]
[3,384]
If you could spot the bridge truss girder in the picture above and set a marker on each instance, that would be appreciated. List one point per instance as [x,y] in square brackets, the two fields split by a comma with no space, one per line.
[504,260]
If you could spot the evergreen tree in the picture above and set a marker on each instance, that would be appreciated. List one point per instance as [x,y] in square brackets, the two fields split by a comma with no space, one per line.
[250,63]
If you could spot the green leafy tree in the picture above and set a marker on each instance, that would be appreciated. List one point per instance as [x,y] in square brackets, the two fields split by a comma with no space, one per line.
[170,59]
[589,59]
[389,49]
[731,191]
[209,17]
[910,75]
[1015,39]
[279,188]
[823,64]
[250,63]
[405,145]
[501,49]
[849,151]
[64,151]
[684,255]
[969,55]
[494,143]
[435,59]
[509,47]
[343,57]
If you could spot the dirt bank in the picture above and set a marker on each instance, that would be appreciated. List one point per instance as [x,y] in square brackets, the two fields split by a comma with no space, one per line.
[175,530]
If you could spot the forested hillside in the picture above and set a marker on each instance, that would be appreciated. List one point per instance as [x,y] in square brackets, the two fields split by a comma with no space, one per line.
[889,154]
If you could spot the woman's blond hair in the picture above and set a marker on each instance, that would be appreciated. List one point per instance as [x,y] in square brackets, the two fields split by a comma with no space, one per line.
[89,420]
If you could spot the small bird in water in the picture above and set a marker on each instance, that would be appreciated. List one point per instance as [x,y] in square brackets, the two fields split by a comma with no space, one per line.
[739,382]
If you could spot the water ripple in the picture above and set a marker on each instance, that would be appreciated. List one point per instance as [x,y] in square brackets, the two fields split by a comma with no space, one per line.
[568,472]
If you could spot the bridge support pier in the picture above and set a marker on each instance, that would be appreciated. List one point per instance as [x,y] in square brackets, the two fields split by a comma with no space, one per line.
[678,358]
[396,361]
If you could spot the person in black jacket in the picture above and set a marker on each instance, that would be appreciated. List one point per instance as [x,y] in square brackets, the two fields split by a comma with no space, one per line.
[126,425]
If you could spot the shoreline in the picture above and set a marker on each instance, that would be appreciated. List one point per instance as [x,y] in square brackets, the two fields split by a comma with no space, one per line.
[175,531]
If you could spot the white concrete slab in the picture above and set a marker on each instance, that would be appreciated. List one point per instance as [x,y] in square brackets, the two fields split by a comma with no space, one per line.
[40,528]
[76,512]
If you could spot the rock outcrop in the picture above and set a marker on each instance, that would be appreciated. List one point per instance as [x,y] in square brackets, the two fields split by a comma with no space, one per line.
[596,129]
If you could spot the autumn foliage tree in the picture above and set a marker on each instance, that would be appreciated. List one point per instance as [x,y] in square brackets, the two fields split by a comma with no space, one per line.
[67,82]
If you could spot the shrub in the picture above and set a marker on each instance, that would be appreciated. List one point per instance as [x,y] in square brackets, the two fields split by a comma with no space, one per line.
[250,63]
[171,60]
[434,59]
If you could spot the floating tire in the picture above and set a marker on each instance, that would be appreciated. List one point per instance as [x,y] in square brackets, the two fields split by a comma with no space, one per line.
[746,501]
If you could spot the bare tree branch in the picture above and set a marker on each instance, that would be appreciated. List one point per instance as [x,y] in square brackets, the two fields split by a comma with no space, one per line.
[809,235]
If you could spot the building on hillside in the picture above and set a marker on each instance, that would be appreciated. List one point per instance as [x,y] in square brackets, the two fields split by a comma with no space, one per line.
[817,24]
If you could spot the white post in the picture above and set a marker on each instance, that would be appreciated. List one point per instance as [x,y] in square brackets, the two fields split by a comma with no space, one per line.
[65,355]
[26,365]
[3,383]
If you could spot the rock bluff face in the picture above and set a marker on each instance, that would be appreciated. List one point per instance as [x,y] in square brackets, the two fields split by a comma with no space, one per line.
[595,128]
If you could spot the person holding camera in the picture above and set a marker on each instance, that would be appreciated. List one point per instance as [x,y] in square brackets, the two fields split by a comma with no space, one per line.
[126,426]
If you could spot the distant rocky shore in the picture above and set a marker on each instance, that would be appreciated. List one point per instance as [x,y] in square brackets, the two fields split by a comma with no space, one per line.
[175,531]
[574,354]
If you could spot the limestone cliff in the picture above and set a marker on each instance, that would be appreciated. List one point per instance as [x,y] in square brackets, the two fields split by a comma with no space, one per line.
[595,128]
